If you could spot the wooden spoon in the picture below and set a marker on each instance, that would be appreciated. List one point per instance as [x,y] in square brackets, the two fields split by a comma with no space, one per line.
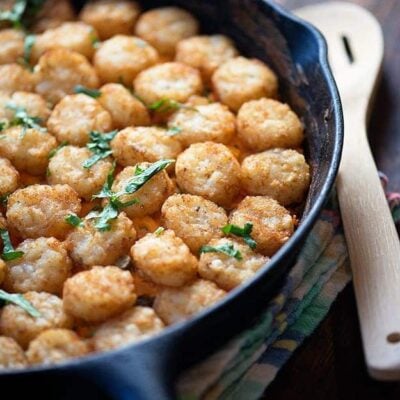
[355,45]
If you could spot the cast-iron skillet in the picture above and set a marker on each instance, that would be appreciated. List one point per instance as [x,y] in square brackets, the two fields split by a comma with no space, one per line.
[145,371]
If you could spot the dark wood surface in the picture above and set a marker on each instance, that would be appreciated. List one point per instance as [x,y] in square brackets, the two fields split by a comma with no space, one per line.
[330,363]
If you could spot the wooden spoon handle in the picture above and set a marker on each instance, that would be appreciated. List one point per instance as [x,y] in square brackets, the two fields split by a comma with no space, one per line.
[374,250]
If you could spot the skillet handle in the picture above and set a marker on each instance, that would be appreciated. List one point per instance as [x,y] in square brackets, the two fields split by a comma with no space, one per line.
[146,374]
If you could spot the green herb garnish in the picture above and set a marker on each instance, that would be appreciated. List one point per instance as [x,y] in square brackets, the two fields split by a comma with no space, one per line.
[9,252]
[21,117]
[21,13]
[99,145]
[165,105]
[114,205]
[20,301]
[227,249]
[94,93]
[159,231]
[74,220]
[3,125]
[143,175]
[94,39]
[57,149]
[28,45]
[174,130]
[244,233]
[4,199]
[14,16]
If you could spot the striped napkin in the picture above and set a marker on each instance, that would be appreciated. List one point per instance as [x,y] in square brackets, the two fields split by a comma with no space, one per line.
[249,363]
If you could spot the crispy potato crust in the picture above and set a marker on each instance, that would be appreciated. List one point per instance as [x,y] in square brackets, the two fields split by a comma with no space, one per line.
[164,27]
[272,223]
[99,293]
[56,345]
[194,219]
[279,173]
[19,325]
[40,210]
[164,259]
[176,305]
[210,170]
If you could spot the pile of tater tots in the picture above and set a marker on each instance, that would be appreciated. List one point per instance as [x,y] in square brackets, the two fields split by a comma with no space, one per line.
[146,170]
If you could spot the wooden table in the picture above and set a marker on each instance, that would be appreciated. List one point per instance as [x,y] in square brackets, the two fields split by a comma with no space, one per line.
[329,365]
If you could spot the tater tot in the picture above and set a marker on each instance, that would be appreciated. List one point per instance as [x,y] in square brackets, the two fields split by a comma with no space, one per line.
[75,116]
[88,246]
[11,354]
[59,71]
[165,27]
[150,197]
[205,53]
[34,104]
[272,223]
[43,267]
[99,293]
[16,323]
[9,177]
[226,271]
[241,79]
[211,122]
[133,325]
[164,259]
[282,174]
[11,45]
[125,109]
[40,210]
[52,14]
[75,36]
[121,58]
[14,78]
[111,17]
[66,167]
[28,150]
[176,305]
[194,219]
[266,123]
[210,170]
[133,145]
[56,345]
[171,80]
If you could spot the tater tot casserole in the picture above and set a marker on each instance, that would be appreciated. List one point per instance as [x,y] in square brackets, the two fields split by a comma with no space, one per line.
[146,170]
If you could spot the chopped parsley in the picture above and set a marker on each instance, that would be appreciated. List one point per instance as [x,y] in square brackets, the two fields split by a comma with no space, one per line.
[159,231]
[227,249]
[174,130]
[166,105]
[57,149]
[94,93]
[9,252]
[99,145]
[74,220]
[28,45]
[4,199]
[143,175]
[20,301]
[3,125]
[94,39]
[21,117]
[21,13]
[14,16]
[114,205]
[244,233]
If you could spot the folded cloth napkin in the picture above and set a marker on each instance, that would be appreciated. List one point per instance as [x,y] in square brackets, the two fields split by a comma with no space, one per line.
[249,363]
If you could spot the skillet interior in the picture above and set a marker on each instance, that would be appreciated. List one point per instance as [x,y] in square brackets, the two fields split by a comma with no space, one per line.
[145,371]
